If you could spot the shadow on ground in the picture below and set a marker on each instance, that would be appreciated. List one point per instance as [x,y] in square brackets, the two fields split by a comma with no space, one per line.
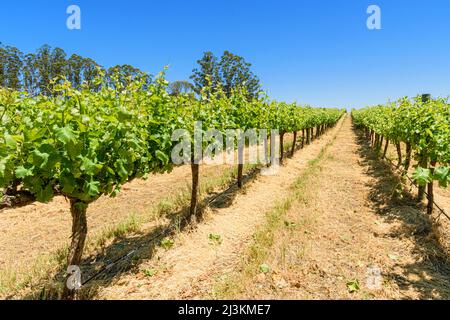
[431,270]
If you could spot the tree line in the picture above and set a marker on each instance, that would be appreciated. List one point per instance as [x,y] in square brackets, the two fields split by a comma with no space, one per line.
[36,72]
[39,72]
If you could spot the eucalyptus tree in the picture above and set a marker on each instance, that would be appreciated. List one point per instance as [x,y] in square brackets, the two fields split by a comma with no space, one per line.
[13,68]
[180,86]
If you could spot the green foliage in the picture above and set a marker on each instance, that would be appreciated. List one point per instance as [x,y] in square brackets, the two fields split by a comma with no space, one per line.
[264,268]
[83,143]
[290,224]
[227,73]
[215,238]
[167,243]
[149,272]
[422,176]
[353,286]
[180,87]
[425,125]
[41,72]
[442,174]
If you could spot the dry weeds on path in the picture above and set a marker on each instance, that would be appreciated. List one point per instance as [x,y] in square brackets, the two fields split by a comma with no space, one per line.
[352,238]
[197,258]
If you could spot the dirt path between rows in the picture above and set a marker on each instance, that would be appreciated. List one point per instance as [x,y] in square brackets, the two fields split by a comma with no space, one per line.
[355,238]
[216,244]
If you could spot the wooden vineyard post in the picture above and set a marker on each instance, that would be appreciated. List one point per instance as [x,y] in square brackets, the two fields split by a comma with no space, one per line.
[423,160]
[281,147]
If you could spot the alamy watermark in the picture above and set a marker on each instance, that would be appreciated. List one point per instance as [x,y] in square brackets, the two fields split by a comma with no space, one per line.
[74,278]
[373,278]
[73,22]
[374,20]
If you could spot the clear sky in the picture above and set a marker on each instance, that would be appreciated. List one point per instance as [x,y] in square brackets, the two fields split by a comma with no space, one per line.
[311,51]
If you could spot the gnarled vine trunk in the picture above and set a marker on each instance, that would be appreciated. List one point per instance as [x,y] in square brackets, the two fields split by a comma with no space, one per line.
[240,165]
[399,154]
[78,210]
[195,168]
[386,148]
[266,151]
[408,156]
[430,190]
[294,144]
[303,138]
[423,163]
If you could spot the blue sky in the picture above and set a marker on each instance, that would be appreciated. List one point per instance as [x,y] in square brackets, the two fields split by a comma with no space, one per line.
[311,51]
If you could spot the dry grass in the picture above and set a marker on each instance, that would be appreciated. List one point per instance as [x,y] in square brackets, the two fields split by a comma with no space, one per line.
[33,278]
[191,265]
[349,219]
[279,225]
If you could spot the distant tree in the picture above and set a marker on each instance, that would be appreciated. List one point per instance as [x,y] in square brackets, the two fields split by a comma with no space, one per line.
[90,71]
[229,72]
[75,70]
[58,63]
[235,72]
[13,68]
[181,86]
[36,72]
[51,65]
[44,69]
[207,73]
[3,61]
[30,74]
[124,74]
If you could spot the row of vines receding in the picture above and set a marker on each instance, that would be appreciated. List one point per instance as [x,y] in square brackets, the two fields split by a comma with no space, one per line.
[83,144]
[422,124]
